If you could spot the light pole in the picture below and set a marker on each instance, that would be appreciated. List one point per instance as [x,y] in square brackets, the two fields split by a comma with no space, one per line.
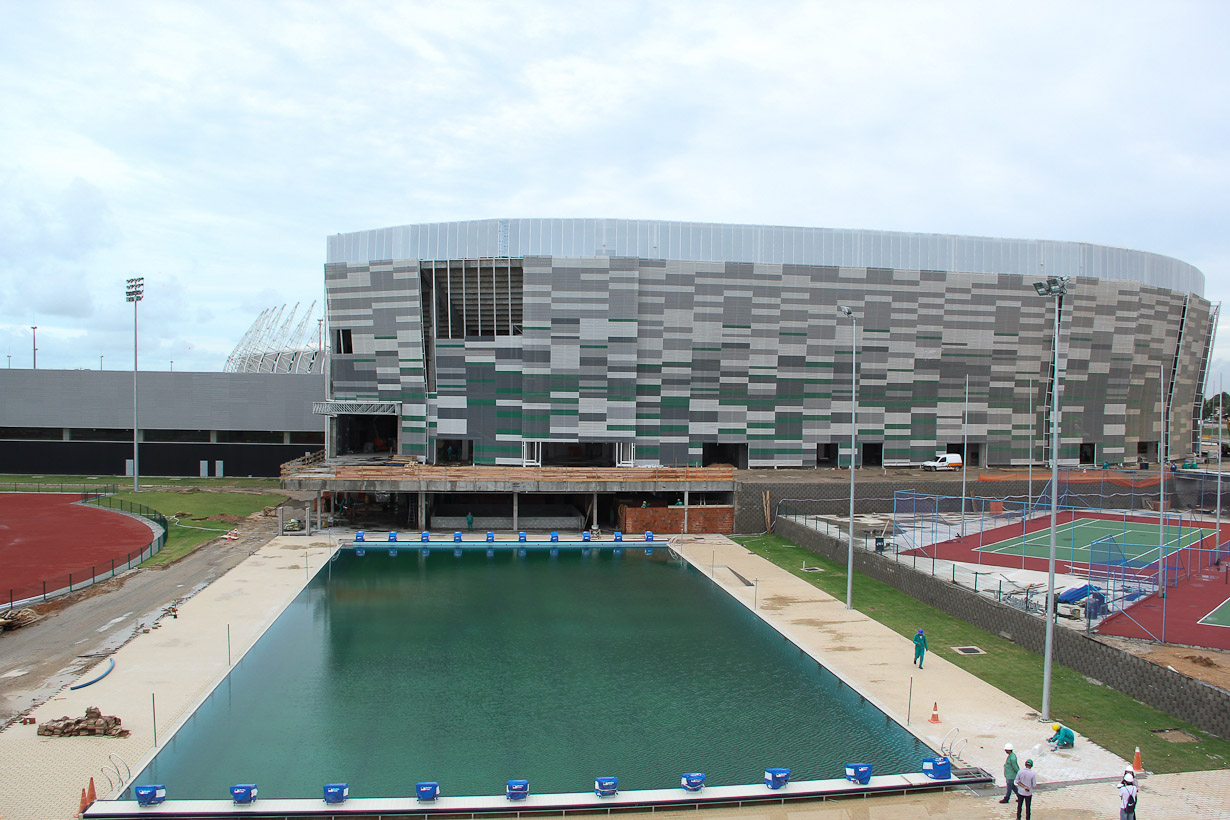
[1055,286]
[34,345]
[100,358]
[133,292]
[853,447]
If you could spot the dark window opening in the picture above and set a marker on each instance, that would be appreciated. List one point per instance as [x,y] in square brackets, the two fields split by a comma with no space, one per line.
[873,454]
[343,343]
[250,437]
[578,454]
[475,298]
[713,453]
[34,433]
[826,454]
[454,451]
[972,458]
[1088,452]
[99,434]
[172,436]
[366,434]
[299,437]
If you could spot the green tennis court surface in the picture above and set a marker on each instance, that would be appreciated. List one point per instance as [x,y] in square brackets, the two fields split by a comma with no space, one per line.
[1137,542]
[1219,616]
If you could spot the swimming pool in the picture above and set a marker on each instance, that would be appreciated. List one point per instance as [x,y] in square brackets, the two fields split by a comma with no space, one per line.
[472,670]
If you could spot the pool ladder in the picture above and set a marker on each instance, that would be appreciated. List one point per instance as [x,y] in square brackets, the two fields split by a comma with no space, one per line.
[953,744]
[113,767]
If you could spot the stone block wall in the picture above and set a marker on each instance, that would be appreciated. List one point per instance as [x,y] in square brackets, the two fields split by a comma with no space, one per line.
[1200,704]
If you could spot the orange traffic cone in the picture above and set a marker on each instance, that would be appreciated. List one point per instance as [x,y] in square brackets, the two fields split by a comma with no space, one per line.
[1136,764]
[90,794]
[935,713]
[85,804]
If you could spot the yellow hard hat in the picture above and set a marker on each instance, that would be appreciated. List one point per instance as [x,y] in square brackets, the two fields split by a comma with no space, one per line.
[1054,727]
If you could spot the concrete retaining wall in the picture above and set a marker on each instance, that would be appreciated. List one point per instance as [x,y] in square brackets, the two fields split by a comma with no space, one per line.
[1185,698]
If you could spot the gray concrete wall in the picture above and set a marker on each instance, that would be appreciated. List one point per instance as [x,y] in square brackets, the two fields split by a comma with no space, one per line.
[1197,703]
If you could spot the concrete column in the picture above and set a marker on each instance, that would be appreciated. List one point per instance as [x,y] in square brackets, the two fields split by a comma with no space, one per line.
[685,507]
[515,504]
[594,522]
[422,510]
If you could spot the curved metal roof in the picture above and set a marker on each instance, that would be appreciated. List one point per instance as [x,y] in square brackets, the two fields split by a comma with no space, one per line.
[769,244]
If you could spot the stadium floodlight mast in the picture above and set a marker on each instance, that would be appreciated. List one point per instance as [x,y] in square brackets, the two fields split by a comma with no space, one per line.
[853,447]
[1055,286]
[34,347]
[134,291]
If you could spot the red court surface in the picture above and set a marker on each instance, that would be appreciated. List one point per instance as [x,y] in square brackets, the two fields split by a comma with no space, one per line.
[45,537]
[1185,605]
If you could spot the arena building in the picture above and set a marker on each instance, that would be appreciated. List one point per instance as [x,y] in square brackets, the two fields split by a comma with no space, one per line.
[610,342]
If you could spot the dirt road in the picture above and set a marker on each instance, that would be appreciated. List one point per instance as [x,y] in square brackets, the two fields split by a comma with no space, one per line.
[36,661]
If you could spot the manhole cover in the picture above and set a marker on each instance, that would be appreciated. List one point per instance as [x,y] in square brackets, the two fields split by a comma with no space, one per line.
[1175,735]
[968,650]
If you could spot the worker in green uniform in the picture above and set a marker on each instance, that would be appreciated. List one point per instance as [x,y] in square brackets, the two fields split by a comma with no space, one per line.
[1011,767]
[920,648]
[1063,738]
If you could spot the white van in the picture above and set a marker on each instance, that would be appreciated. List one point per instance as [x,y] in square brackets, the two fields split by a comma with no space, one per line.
[951,461]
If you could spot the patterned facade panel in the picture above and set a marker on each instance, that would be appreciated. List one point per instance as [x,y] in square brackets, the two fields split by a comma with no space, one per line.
[675,355]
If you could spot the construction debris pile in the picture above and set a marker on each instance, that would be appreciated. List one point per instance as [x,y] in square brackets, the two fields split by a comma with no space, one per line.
[94,723]
[15,618]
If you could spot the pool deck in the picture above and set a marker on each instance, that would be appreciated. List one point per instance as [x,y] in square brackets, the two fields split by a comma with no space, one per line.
[178,662]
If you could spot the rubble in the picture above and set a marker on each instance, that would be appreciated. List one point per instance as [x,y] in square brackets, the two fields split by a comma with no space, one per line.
[94,723]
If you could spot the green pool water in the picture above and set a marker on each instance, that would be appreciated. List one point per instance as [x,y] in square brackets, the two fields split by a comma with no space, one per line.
[471,671]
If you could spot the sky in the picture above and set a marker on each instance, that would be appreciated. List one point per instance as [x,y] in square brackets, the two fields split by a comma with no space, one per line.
[212,147]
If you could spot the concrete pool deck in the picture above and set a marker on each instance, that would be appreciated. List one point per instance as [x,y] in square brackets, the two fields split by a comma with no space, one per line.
[179,661]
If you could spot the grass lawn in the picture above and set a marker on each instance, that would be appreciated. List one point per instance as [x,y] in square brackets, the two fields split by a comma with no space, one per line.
[189,534]
[51,483]
[1108,717]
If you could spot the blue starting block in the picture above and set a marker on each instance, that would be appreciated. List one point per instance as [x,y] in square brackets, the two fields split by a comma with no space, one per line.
[619,536]
[243,793]
[490,537]
[937,768]
[776,778]
[150,795]
[427,791]
[606,786]
[859,773]
[457,536]
[360,537]
[393,535]
[648,535]
[424,536]
[336,792]
[520,536]
[517,789]
[585,536]
[692,781]
[555,536]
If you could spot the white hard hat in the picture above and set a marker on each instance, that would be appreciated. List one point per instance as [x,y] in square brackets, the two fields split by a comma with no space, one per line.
[1128,777]
[1007,747]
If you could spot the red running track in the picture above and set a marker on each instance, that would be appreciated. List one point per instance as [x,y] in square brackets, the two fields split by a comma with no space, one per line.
[1186,603]
[46,536]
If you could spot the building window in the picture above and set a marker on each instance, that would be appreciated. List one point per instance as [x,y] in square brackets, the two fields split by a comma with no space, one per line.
[99,434]
[297,437]
[473,298]
[342,342]
[33,433]
[174,436]
[249,437]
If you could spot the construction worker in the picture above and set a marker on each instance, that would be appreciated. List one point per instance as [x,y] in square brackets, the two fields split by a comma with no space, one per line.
[1062,739]
[920,648]
[1011,767]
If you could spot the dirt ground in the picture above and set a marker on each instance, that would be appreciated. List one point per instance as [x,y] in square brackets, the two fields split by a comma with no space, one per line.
[1209,665]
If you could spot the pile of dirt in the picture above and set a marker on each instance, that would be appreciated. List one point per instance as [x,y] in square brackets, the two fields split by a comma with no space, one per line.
[1201,660]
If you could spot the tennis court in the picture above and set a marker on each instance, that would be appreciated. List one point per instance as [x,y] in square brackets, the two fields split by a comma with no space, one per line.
[1085,539]
[1219,616]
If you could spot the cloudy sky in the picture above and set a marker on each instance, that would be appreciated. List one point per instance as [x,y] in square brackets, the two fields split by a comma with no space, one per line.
[211,147]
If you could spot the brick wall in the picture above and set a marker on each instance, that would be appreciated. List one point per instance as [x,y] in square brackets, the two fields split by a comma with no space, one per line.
[669,520]
[1197,703]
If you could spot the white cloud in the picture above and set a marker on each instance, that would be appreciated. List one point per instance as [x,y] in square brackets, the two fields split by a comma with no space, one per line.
[213,147]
